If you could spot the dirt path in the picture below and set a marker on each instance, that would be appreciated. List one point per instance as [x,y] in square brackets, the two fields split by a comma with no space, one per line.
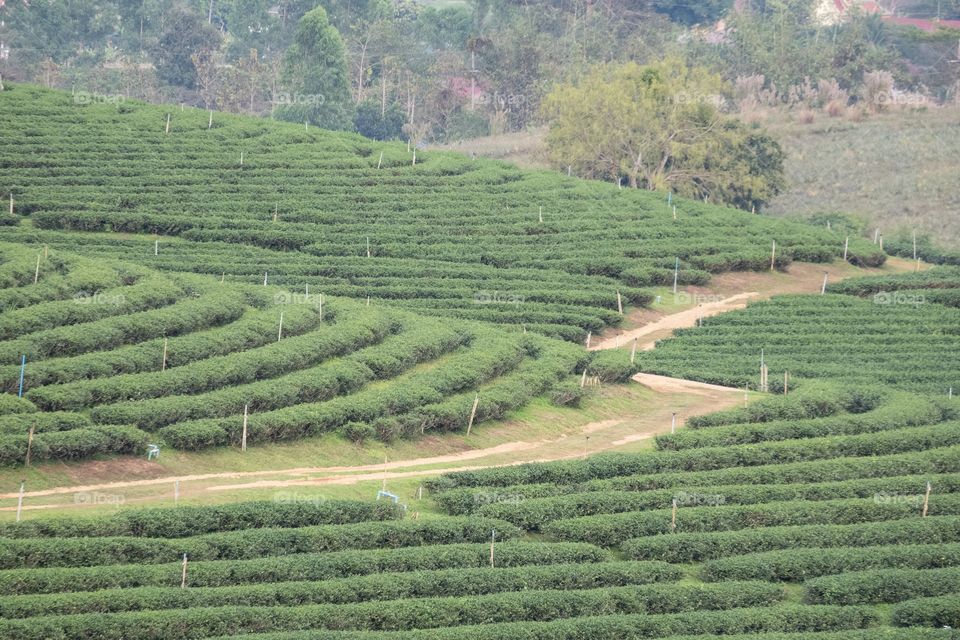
[648,334]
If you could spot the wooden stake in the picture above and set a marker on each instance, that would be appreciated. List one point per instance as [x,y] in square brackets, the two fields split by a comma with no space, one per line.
[380,162]
[264,278]
[676,275]
[589,338]
[183,578]
[876,234]
[619,304]
[673,516]
[673,423]
[541,214]
[156,247]
[633,351]
[420,492]
[163,365]
[493,538]
[746,394]
[36,274]
[168,124]
[276,211]
[223,277]
[786,381]
[243,436]
[583,379]
[473,412]
[823,289]
[11,203]
[29,446]
[368,301]
[846,247]
[773,256]
[881,242]
[674,212]
[20,499]
[241,158]
[210,123]
[926,500]
[280,330]
[368,246]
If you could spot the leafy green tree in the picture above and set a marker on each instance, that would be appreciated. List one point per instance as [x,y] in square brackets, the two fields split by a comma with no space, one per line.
[660,126]
[184,35]
[314,76]
[375,122]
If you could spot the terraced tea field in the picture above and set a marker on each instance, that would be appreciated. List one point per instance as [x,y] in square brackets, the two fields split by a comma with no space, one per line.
[221,282]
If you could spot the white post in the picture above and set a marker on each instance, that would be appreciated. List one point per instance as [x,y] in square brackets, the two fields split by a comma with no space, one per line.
[264,278]
[633,351]
[674,212]
[280,330]
[583,379]
[493,538]
[276,211]
[876,234]
[380,162]
[183,578]
[473,413]
[20,499]
[823,289]
[673,516]
[241,158]
[846,247]
[36,274]
[11,203]
[168,124]
[243,436]
[619,303]
[368,246]
[163,364]
[673,423]
[676,275]
[926,500]
[773,256]
[156,247]
[541,213]
[589,338]
[210,123]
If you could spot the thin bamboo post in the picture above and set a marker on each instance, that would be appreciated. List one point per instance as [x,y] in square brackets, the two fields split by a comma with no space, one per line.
[876,234]
[473,413]
[786,381]
[746,394]
[846,247]
[20,499]
[773,256]
[183,576]
[583,379]
[676,275]
[276,211]
[589,338]
[280,330]
[156,247]
[673,423]
[36,274]
[163,364]
[368,246]
[210,122]
[265,278]
[674,212]
[168,125]
[243,436]
[541,214]
[380,162]
[823,288]
[673,516]
[29,446]
[633,351]
[926,500]
[11,203]
[619,303]
[493,538]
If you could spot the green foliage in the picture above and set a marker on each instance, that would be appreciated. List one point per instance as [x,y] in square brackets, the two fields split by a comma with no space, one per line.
[373,121]
[315,75]
[664,131]
[882,585]
[942,611]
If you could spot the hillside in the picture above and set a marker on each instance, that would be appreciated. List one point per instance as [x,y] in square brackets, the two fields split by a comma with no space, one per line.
[437,233]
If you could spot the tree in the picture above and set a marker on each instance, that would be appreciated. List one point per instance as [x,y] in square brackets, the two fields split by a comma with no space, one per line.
[314,76]
[184,35]
[660,126]
[380,124]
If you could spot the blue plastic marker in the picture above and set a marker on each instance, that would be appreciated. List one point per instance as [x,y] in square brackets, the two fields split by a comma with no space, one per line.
[23,365]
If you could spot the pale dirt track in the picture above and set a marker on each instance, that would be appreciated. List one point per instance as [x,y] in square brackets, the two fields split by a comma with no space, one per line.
[648,334]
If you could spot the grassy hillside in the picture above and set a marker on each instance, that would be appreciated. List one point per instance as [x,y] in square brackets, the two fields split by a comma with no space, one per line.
[437,233]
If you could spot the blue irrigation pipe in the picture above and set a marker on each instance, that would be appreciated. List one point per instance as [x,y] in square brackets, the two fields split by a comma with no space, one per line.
[23,365]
